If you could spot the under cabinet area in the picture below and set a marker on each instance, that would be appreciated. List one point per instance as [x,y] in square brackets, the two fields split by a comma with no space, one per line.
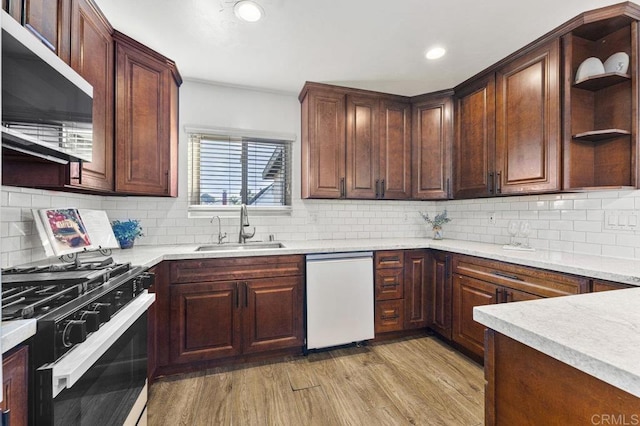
[478,282]
[224,308]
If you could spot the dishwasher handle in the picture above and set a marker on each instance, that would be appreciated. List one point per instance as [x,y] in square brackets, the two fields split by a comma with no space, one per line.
[339,256]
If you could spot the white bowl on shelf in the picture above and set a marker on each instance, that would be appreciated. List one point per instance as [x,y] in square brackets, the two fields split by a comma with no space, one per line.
[618,62]
[588,68]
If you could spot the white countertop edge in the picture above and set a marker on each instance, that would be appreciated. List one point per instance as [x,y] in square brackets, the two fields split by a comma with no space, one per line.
[599,267]
[591,364]
[16,332]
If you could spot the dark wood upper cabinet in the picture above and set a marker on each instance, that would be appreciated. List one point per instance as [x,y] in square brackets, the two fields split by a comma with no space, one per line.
[323,141]
[528,123]
[395,150]
[362,155]
[92,55]
[474,149]
[432,143]
[43,19]
[355,144]
[146,112]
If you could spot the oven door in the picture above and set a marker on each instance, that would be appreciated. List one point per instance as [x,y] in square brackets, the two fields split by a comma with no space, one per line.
[76,390]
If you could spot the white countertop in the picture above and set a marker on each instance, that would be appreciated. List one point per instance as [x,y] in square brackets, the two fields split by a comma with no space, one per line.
[606,268]
[597,333]
[16,332]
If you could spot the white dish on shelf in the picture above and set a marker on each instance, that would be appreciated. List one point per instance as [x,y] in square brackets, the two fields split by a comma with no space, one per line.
[618,62]
[589,67]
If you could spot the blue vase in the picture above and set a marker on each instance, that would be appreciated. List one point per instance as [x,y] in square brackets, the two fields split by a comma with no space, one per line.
[126,244]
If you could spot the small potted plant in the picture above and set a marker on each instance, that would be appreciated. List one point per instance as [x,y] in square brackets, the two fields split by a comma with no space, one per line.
[436,223]
[126,231]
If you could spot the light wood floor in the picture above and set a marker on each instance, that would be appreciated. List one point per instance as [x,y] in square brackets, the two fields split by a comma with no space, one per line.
[412,381]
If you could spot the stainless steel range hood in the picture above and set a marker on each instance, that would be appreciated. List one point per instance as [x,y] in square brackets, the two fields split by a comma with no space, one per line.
[46,105]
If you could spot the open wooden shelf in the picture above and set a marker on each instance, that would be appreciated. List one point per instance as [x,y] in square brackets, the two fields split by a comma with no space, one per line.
[601,81]
[601,135]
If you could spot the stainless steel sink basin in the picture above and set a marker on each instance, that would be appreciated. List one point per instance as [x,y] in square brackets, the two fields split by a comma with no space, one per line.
[238,247]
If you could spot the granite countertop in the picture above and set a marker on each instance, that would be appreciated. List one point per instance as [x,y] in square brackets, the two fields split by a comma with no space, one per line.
[606,268]
[597,333]
[16,332]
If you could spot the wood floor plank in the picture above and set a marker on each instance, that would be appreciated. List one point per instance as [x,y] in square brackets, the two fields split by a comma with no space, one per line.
[418,381]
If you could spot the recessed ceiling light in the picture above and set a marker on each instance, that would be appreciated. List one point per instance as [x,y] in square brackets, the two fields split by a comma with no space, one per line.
[436,52]
[248,11]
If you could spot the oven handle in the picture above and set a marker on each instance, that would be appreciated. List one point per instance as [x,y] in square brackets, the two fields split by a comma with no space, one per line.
[68,370]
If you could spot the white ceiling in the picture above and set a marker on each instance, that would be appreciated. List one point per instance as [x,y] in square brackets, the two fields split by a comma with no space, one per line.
[370,44]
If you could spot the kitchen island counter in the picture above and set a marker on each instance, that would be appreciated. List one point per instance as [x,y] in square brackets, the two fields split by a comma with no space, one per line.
[596,333]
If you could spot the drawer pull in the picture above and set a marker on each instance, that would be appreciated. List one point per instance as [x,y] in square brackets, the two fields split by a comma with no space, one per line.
[505,275]
[390,259]
[392,284]
[392,317]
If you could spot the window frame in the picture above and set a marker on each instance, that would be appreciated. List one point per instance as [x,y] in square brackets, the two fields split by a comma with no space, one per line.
[195,211]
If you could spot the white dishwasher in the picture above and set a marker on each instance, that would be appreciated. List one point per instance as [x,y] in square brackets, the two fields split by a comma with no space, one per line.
[339,299]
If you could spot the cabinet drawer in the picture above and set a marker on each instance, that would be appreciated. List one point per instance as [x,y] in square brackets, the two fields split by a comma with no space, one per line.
[530,280]
[389,316]
[389,284]
[600,285]
[236,268]
[389,259]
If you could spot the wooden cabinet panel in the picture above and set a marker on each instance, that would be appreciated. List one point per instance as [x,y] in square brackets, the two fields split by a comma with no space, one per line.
[272,316]
[467,293]
[13,8]
[432,143]
[525,386]
[362,147]
[599,285]
[417,307]
[389,316]
[15,386]
[518,296]
[205,321]
[474,149]
[323,141]
[92,57]
[395,150]
[388,259]
[441,293]
[144,105]
[528,123]
[389,284]
[41,17]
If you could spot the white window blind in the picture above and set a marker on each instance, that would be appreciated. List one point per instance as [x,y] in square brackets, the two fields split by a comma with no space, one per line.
[228,171]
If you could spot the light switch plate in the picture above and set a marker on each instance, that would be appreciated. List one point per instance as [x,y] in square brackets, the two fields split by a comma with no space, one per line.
[621,220]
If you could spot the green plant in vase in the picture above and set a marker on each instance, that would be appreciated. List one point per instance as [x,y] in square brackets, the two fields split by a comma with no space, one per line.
[126,231]
[436,223]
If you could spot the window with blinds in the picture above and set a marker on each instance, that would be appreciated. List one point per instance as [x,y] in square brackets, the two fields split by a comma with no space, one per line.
[229,171]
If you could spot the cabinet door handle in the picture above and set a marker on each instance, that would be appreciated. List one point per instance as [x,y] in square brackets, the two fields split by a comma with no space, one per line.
[448,188]
[505,275]
[447,267]
[498,291]
[237,292]
[343,192]
[490,182]
[246,294]
[382,188]
[498,182]
[393,284]
[391,317]
[377,188]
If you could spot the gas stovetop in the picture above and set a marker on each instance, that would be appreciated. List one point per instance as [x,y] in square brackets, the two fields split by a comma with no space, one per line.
[32,292]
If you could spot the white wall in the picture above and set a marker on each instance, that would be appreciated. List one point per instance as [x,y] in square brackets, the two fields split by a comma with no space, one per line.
[565,222]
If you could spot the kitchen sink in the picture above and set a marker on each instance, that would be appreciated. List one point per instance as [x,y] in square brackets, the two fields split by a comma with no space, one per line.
[258,245]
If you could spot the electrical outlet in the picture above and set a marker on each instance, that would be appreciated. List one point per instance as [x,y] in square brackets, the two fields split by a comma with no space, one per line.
[492,218]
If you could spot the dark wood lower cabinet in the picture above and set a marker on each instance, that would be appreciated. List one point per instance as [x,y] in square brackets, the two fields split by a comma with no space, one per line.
[15,379]
[441,293]
[416,280]
[526,387]
[389,316]
[467,293]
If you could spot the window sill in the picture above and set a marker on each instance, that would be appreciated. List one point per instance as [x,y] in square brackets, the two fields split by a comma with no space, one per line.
[234,211]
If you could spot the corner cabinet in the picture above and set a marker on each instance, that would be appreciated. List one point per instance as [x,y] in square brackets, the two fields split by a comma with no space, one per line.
[356,144]
[146,124]
[432,143]
[528,123]
[441,293]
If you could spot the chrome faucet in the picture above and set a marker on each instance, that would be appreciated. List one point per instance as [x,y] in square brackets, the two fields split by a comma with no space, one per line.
[220,236]
[244,222]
